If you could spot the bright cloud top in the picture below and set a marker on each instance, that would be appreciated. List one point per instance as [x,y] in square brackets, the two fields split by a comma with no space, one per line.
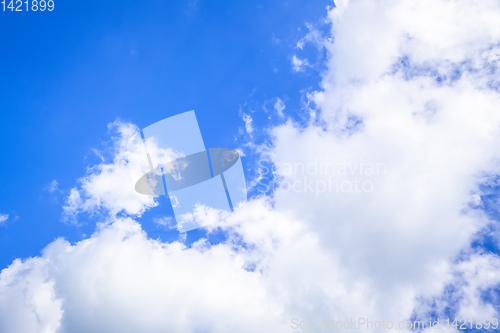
[410,86]
[110,187]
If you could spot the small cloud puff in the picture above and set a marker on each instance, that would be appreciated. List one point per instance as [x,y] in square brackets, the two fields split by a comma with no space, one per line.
[298,65]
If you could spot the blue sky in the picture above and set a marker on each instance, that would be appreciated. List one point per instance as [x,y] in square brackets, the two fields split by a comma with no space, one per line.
[411,86]
[70,72]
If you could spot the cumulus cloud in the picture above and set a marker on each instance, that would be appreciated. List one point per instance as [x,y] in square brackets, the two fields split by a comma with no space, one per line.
[4,217]
[119,280]
[27,300]
[313,37]
[378,200]
[248,123]
[110,186]
[421,99]
[53,186]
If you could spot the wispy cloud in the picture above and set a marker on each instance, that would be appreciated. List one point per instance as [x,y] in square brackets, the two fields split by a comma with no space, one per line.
[279,106]
[298,65]
[109,187]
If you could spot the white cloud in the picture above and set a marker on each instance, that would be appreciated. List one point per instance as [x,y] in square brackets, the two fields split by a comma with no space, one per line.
[119,280]
[298,65]
[248,123]
[313,37]
[27,298]
[53,186]
[472,277]
[4,217]
[279,106]
[410,87]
